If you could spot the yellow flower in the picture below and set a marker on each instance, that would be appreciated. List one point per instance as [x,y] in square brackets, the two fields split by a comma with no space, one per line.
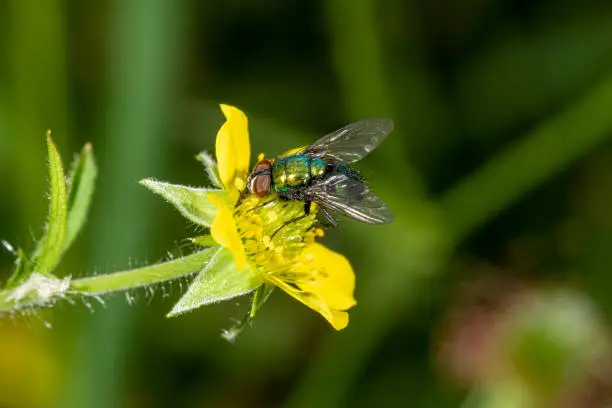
[263,244]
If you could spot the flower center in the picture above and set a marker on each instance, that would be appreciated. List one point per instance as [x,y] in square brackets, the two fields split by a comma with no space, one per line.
[274,232]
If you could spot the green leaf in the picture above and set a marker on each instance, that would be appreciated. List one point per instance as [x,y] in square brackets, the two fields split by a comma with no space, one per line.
[22,270]
[190,201]
[218,281]
[81,186]
[49,248]
[211,168]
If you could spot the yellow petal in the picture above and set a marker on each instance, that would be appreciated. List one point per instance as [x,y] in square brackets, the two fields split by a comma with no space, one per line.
[233,149]
[330,289]
[224,231]
[339,320]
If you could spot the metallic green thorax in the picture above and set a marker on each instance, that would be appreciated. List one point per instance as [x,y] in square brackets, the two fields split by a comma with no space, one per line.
[295,171]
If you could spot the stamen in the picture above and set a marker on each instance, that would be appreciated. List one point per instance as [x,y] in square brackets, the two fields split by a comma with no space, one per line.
[270,240]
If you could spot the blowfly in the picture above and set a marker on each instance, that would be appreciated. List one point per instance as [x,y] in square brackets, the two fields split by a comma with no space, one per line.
[321,174]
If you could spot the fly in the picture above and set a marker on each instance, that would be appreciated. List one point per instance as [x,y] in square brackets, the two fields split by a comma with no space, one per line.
[320,173]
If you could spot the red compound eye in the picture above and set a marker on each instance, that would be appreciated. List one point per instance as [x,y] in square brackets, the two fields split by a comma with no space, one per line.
[261,185]
[261,179]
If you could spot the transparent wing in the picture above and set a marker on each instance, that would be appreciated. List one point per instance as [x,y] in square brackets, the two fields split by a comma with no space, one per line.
[351,197]
[353,142]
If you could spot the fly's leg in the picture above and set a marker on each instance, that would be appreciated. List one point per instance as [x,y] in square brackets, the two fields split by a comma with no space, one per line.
[243,194]
[296,219]
[265,203]
[307,206]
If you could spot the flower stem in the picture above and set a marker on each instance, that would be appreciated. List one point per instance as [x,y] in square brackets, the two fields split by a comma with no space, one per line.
[34,293]
[143,276]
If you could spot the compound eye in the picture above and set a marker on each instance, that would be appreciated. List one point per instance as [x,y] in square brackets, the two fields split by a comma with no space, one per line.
[261,185]
[263,165]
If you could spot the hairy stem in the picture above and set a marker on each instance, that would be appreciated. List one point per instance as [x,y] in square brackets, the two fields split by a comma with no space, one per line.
[40,291]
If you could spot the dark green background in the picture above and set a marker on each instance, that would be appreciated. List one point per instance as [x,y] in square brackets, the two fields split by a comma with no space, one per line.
[499,166]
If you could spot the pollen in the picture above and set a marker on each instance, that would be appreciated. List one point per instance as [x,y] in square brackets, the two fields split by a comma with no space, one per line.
[239,184]
[267,241]
[274,232]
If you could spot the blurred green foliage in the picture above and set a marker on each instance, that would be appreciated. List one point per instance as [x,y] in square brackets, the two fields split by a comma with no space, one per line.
[501,157]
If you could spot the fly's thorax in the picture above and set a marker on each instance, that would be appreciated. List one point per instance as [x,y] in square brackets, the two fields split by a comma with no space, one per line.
[292,171]
[296,171]
[318,167]
[268,236]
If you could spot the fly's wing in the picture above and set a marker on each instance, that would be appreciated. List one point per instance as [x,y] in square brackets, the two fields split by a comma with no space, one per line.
[353,142]
[349,196]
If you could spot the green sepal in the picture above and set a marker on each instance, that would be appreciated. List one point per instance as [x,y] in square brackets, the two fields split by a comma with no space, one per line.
[220,280]
[212,170]
[80,191]
[204,241]
[191,202]
[260,297]
[49,248]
